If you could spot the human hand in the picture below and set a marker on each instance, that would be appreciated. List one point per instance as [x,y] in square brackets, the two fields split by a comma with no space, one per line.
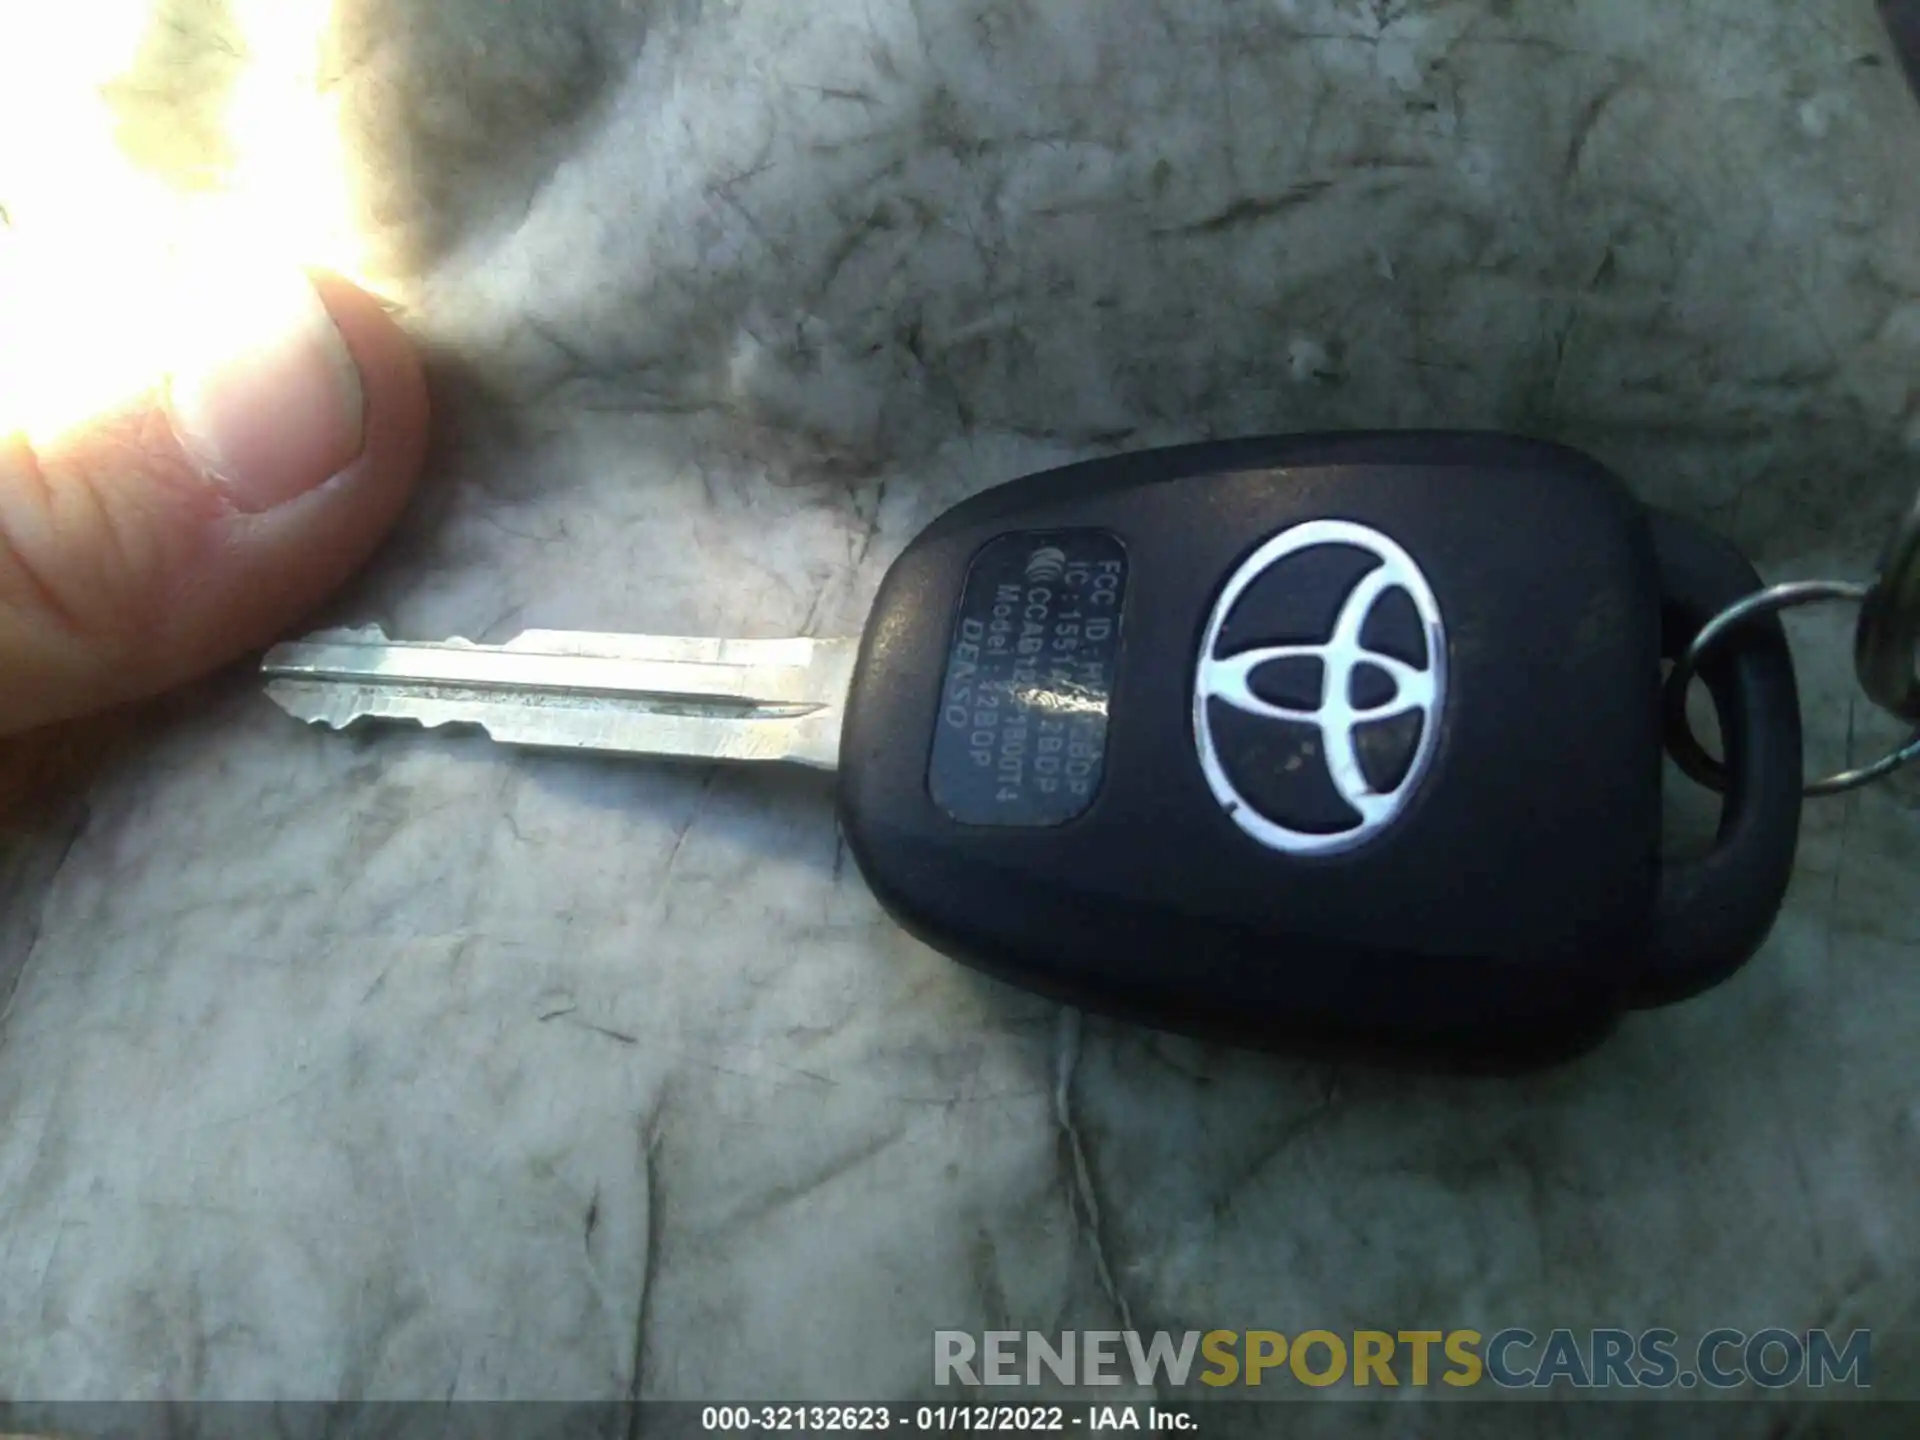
[152,544]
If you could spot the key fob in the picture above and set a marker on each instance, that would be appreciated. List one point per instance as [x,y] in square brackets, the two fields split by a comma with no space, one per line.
[1346,741]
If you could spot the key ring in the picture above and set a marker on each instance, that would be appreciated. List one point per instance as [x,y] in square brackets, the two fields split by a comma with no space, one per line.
[1687,751]
[1884,645]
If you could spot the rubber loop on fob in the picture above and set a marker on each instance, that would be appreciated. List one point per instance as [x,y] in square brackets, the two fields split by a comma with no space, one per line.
[1714,911]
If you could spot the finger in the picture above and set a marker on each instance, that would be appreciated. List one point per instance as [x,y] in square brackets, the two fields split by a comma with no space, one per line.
[158,543]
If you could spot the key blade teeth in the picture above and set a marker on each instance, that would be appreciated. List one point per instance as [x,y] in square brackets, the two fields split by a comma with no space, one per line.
[308,703]
[286,657]
[638,695]
[349,635]
[335,707]
[346,707]
[782,734]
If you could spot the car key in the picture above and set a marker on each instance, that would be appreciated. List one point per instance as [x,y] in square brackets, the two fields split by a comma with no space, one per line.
[1340,740]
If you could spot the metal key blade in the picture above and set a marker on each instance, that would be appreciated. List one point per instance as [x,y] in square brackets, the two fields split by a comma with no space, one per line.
[694,698]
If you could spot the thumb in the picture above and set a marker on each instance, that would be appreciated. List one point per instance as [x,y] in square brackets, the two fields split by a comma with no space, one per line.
[151,546]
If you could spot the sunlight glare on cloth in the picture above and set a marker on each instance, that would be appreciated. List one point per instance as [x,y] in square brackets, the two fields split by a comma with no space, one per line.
[111,278]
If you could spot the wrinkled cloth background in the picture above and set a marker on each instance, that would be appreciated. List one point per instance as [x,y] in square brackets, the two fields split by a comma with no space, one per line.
[397,1065]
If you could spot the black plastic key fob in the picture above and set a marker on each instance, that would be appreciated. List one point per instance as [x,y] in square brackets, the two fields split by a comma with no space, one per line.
[1327,740]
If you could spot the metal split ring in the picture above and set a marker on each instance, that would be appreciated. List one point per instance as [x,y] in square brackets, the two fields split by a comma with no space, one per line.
[1884,645]
[1686,749]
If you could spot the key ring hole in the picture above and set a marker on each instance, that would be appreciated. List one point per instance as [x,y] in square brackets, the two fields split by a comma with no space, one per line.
[1685,747]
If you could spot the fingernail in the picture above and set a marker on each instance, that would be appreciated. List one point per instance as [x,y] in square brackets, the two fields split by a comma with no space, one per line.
[270,404]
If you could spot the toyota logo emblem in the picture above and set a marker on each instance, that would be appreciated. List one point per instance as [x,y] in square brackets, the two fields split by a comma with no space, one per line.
[1318,689]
